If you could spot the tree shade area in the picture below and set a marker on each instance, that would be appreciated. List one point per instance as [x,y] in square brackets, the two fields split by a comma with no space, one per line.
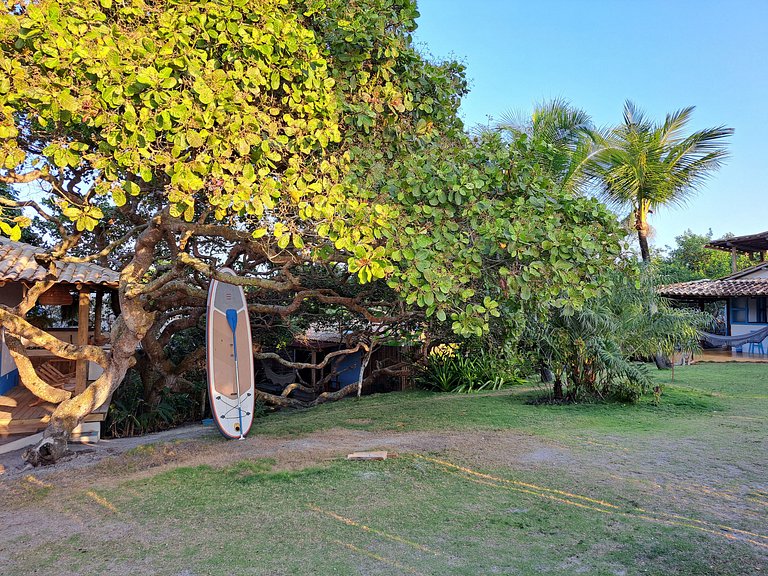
[309,147]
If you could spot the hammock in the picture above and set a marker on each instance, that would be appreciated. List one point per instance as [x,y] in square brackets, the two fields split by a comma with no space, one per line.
[750,338]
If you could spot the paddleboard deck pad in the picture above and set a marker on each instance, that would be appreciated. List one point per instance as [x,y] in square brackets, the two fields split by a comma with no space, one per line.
[229,358]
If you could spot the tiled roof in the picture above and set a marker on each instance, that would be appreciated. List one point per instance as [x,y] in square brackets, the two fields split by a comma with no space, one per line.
[701,289]
[17,263]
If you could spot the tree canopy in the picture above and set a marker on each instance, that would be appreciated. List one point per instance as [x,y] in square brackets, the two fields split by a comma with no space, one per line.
[690,260]
[304,143]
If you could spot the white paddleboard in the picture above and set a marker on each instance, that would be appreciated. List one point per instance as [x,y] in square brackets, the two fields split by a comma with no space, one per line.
[230,368]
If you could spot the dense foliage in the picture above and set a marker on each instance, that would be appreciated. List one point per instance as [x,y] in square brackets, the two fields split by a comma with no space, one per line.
[690,260]
[306,144]
[599,351]
[466,369]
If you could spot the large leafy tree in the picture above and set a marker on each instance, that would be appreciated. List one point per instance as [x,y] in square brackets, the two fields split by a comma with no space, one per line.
[645,165]
[304,143]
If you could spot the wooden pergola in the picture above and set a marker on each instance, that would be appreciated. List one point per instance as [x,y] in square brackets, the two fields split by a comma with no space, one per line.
[751,244]
[22,266]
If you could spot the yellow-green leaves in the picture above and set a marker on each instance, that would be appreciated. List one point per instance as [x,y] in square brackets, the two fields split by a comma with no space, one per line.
[12,231]
[84,217]
[227,104]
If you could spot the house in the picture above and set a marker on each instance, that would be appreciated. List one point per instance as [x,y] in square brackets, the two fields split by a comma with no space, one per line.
[64,311]
[743,293]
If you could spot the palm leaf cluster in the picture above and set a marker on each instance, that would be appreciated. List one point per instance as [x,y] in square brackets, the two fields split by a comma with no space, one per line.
[635,167]
[568,132]
[643,165]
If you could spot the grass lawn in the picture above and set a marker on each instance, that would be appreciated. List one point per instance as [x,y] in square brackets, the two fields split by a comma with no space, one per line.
[482,484]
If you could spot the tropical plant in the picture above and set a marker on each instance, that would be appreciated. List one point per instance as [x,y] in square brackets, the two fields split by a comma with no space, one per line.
[466,370]
[566,130]
[130,414]
[643,165]
[600,350]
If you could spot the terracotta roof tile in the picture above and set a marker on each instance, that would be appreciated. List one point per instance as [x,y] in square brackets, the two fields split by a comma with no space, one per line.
[17,263]
[716,288]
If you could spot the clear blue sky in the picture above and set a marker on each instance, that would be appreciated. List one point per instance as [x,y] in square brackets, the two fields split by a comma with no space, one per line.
[663,55]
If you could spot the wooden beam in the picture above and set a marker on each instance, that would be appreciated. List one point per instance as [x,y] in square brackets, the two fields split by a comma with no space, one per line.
[81,367]
[314,370]
[733,261]
[97,313]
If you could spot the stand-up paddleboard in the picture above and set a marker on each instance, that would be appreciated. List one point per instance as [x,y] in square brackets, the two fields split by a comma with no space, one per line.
[229,358]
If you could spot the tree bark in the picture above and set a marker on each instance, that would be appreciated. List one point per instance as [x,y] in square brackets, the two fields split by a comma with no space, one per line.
[29,378]
[645,253]
[128,330]
[641,224]
[366,357]
[642,235]
[558,388]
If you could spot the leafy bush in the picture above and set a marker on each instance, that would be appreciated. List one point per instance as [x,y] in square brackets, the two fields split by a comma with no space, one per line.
[467,371]
[597,352]
[130,415]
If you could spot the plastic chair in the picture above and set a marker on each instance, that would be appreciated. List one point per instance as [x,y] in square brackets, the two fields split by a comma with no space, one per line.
[756,346]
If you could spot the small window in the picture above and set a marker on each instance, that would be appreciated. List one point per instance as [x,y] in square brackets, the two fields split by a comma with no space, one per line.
[740,310]
[762,311]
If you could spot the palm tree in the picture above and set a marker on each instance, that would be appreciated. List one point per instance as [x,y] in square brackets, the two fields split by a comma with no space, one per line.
[644,165]
[567,130]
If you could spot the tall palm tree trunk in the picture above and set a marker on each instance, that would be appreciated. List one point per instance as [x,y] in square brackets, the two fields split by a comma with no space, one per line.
[641,225]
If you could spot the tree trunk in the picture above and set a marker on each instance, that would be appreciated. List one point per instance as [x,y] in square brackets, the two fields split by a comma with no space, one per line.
[642,238]
[366,357]
[127,332]
[558,388]
[641,225]
[70,413]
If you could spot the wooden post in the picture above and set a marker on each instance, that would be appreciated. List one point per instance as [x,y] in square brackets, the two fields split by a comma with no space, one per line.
[762,255]
[733,261]
[81,367]
[97,313]
[314,370]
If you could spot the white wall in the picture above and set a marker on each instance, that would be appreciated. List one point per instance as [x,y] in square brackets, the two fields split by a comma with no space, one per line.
[738,329]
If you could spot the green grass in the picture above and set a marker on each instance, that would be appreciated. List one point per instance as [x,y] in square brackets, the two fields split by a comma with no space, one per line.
[511,409]
[674,489]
